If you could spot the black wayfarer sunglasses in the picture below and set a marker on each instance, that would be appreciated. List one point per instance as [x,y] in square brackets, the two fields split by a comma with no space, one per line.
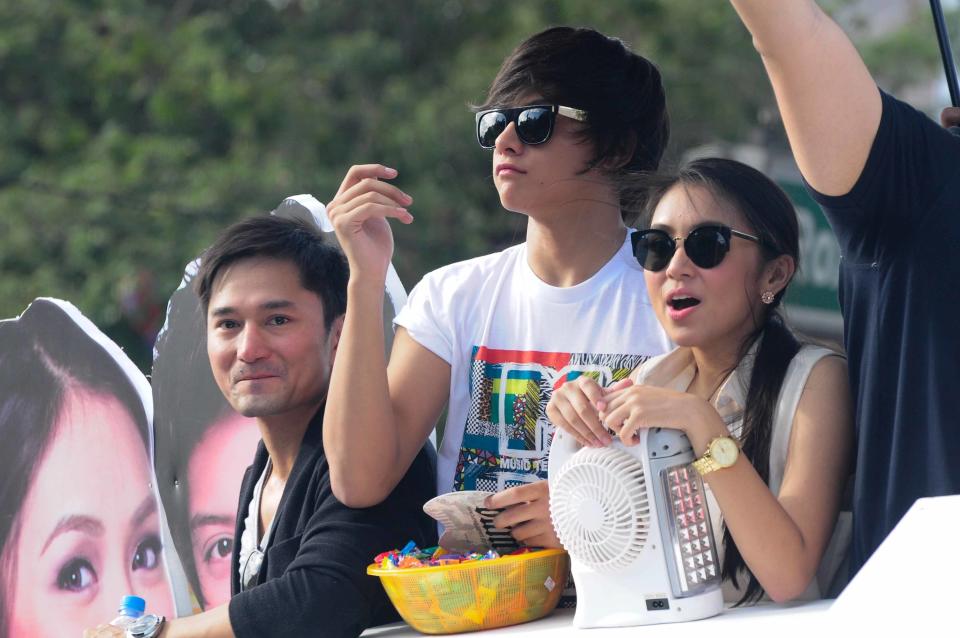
[534,122]
[706,246]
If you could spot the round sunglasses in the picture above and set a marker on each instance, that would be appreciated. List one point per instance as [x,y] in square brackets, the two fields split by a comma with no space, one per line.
[706,246]
[534,123]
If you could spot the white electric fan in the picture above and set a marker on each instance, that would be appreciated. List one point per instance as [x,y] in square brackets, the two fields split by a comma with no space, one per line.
[635,523]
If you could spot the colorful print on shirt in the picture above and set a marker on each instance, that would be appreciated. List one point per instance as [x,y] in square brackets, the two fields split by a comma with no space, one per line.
[507,434]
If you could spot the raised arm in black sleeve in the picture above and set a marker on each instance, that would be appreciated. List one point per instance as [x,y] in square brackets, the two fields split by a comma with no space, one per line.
[899,232]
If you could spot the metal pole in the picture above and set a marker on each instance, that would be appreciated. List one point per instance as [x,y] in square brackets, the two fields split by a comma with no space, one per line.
[943,38]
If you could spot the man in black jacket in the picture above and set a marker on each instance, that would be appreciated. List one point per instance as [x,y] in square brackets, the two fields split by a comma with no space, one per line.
[274,295]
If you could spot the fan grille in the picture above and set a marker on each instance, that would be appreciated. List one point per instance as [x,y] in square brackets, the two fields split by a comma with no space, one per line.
[600,509]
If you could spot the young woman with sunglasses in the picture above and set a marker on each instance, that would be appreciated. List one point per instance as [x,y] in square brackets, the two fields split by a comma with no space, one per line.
[569,117]
[768,416]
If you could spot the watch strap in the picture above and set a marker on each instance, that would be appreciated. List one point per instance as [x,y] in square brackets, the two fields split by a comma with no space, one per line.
[705,464]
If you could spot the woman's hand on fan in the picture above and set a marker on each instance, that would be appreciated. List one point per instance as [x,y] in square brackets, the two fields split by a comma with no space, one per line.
[626,410]
[526,514]
[573,409]
[359,214]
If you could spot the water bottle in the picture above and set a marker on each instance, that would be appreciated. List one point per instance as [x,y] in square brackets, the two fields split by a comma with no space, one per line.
[131,608]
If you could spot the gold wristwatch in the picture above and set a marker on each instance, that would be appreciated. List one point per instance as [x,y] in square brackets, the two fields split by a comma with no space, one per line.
[721,452]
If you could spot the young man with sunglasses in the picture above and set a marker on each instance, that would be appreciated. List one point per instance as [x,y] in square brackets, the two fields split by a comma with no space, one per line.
[571,116]
[888,179]
[274,295]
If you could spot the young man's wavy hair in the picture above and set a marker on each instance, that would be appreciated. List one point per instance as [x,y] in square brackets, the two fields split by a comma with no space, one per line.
[622,92]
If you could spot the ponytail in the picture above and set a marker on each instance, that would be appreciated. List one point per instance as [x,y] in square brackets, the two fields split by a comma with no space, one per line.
[777,348]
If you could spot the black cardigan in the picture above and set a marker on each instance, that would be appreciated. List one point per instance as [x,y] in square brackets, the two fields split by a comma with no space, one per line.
[313,579]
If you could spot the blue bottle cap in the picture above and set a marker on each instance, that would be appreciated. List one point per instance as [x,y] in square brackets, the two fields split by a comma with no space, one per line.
[133,605]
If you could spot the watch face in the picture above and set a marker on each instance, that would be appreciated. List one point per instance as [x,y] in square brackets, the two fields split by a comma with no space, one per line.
[724,451]
[144,625]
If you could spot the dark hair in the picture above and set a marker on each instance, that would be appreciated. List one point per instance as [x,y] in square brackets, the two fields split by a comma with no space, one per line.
[771,216]
[322,266]
[43,355]
[187,401]
[621,91]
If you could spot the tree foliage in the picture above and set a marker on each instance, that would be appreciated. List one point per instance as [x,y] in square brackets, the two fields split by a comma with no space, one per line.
[133,131]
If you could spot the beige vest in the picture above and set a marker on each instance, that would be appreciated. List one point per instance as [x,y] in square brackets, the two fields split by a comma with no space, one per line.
[675,370]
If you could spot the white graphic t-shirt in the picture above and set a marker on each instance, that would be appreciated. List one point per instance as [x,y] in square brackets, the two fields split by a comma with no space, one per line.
[511,340]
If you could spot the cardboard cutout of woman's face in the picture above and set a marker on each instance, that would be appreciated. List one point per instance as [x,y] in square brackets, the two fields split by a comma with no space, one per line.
[215,470]
[87,529]
[202,448]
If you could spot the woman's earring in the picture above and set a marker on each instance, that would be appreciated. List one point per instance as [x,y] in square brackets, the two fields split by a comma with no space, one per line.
[767,297]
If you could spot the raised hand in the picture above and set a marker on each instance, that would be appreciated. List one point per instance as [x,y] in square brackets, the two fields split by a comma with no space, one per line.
[359,214]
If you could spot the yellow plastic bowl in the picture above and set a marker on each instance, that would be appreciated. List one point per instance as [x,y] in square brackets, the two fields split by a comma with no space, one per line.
[481,594]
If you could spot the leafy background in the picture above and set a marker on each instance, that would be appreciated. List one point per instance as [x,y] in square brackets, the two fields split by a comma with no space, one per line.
[133,131]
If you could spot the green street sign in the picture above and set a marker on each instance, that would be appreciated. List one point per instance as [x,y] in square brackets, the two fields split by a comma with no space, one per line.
[811,303]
